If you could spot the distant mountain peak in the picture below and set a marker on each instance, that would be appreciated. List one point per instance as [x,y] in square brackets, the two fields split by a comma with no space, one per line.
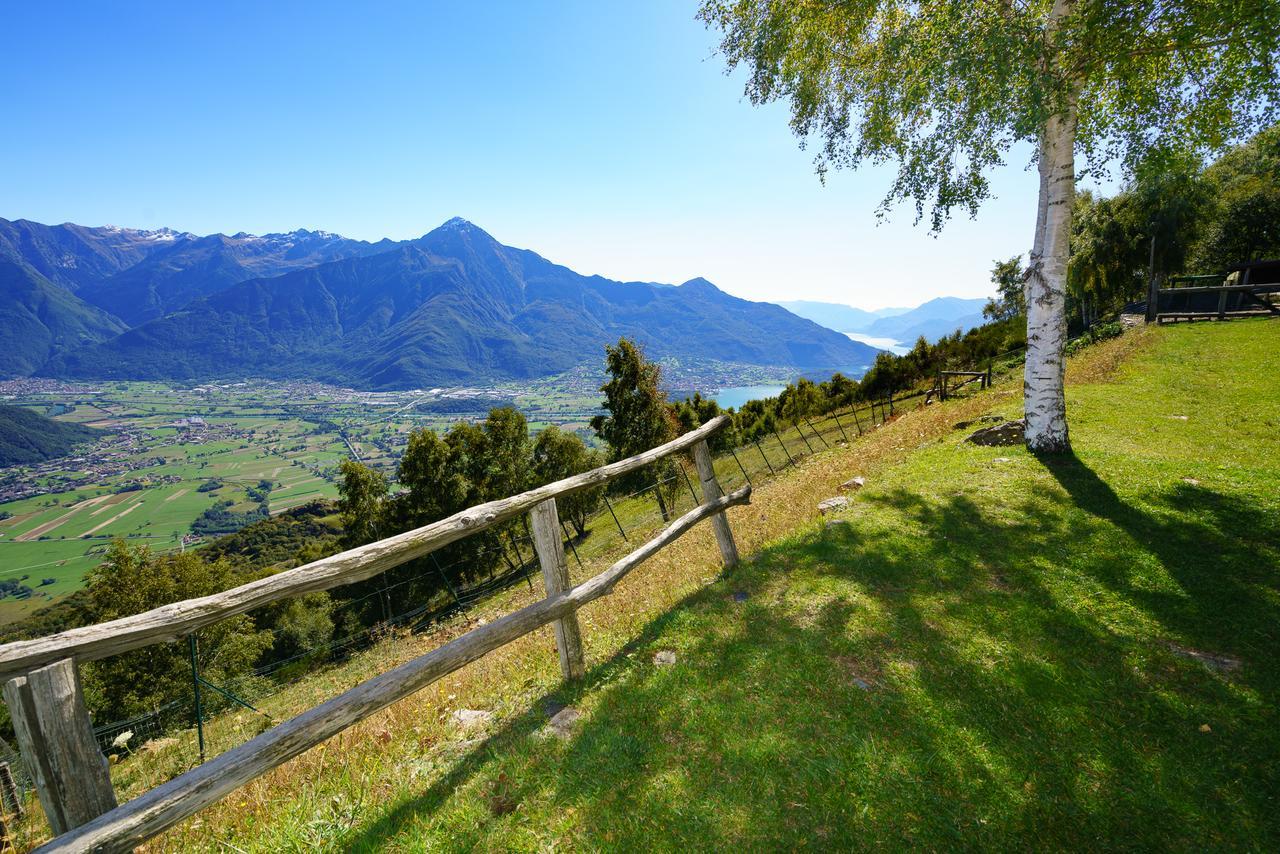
[460,224]
[700,285]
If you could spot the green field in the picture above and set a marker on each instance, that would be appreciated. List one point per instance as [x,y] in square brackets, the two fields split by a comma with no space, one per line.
[291,436]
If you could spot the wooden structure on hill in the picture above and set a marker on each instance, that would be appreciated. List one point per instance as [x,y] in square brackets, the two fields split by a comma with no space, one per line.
[949,382]
[46,700]
[1245,291]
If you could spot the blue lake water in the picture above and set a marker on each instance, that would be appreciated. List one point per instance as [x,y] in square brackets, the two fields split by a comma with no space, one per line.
[889,344]
[733,398]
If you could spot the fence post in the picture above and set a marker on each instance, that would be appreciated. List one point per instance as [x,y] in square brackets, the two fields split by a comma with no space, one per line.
[790,461]
[195,690]
[807,443]
[710,492]
[615,519]
[555,574]
[763,457]
[815,432]
[841,426]
[56,738]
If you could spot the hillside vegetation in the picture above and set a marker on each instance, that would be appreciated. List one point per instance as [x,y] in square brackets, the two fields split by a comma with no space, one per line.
[27,437]
[988,649]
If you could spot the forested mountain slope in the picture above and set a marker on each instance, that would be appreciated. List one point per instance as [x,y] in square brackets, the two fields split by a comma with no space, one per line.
[453,306]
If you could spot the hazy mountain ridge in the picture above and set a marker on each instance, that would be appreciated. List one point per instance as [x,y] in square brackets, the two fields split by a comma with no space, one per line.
[933,319]
[453,306]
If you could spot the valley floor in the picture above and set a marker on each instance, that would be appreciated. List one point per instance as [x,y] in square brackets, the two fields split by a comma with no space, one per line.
[986,650]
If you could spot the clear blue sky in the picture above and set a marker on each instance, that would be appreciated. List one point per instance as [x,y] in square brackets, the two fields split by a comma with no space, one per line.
[604,135]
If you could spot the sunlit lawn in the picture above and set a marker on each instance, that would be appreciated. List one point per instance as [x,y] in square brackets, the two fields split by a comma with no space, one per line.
[994,651]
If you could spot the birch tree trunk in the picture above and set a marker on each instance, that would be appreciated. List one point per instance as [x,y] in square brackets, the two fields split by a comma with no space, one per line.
[1044,399]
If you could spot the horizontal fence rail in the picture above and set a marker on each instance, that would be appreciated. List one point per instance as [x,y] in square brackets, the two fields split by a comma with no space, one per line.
[172,622]
[45,697]
[129,825]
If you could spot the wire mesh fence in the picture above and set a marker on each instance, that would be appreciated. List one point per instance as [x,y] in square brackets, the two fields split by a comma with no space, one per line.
[619,520]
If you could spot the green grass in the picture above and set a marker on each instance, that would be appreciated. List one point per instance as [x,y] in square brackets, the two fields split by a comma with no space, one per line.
[989,653]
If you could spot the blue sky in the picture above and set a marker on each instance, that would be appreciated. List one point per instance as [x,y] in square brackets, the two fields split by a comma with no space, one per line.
[604,135]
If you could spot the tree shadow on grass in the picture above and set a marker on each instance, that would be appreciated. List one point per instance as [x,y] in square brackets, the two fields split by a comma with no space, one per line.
[989,680]
[1223,552]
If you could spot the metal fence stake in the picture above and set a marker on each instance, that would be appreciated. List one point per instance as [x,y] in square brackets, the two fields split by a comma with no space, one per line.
[790,461]
[195,687]
[615,519]
[763,457]
[741,467]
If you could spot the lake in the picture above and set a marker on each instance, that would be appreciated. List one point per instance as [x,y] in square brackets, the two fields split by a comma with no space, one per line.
[733,398]
[880,343]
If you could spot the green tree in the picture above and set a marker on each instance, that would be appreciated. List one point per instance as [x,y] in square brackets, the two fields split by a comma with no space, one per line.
[133,580]
[692,412]
[1008,302]
[639,419]
[1245,226]
[946,89]
[361,492]
[558,454]
[1240,221]
[799,400]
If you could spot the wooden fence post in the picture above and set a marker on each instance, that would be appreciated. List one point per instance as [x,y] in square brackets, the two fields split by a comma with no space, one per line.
[555,574]
[710,492]
[56,738]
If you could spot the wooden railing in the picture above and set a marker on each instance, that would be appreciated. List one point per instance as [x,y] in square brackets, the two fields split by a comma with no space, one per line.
[42,686]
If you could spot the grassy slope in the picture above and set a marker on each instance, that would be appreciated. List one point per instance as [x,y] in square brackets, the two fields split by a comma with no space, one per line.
[983,656]
[1014,624]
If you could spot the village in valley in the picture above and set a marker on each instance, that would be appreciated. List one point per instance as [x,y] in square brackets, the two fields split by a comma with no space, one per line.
[177,465]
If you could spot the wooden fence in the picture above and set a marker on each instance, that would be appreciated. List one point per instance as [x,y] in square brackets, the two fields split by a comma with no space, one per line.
[42,683]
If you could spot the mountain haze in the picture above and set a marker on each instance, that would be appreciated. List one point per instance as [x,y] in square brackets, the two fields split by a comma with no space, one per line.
[453,306]
[837,316]
[933,319]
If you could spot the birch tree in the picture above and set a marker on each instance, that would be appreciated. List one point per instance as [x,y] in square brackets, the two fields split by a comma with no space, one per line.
[947,89]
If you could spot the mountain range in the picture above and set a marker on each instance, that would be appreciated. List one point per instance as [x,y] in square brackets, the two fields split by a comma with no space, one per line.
[933,319]
[454,306]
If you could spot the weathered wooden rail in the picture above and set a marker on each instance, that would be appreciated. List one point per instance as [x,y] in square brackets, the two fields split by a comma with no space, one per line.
[944,386]
[1245,292]
[42,686]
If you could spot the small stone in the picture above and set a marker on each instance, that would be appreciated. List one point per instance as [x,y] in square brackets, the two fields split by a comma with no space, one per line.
[472,718]
[1191,480]
[1008,433]
[739,595]
[564,722]
[862,683]
[1205,728]
[853,484]
[831,505]
[1002,460]
[664,656]
[1177,417]
[835,523]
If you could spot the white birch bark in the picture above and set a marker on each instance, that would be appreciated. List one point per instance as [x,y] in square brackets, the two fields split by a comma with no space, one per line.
[1044,399]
